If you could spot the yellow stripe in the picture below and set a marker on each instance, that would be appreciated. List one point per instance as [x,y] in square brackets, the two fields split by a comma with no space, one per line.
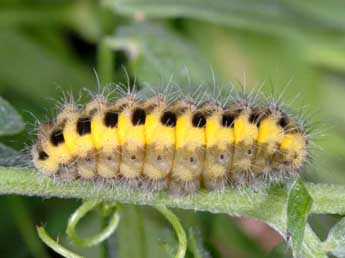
[76,144]
[129,134]
[156,133]
[216,134]
[187,135]
[270,133]
[293,142]
[103,137]
[245,131]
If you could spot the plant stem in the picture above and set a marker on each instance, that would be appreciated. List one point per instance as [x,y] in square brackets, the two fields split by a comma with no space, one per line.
[86,207]
[262,204]
[181,235]
[268,205]
[193,244]
[55,245]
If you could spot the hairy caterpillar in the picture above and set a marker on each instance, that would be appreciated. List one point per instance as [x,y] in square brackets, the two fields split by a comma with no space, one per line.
[157,143]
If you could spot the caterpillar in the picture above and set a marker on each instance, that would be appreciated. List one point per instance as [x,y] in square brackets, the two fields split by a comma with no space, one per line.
[179,144]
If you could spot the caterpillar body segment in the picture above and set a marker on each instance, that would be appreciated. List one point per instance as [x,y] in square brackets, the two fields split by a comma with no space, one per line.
[104,132]
[50,152]
[270,136]
[76,128]
[158,144]
[131,131]
[292,152]
[245,135]
[190,148]
[219,147]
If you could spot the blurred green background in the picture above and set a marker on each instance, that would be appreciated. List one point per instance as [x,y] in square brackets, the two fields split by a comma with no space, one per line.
[51,47]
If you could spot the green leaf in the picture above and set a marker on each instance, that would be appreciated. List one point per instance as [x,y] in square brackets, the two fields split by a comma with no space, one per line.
[10,120]
[8,156]
[264,16]
[35,71]
[229,237]
[156,54]
[327,11]
[21,214]
[142,227]
[335,242]
[131,230]
[320,37]
[299,206]
[84,17]
[280,250]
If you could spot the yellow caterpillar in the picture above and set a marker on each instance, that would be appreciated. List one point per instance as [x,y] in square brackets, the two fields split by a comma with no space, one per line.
[181,146]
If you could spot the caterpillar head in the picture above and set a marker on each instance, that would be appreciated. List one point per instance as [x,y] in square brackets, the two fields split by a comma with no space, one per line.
[44,162]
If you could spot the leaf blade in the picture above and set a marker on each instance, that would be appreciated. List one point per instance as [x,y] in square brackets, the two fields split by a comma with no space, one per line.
[335,242]
[10,121]
[299,207]
[146,45]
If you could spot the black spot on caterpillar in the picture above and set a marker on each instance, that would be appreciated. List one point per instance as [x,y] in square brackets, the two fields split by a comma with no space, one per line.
[138,116]
[255,118]
[178,145]
[228,120]
[83,126]
[110,119]
[42,155]
[57,137]
[168,119]
[198,120]
[283,121]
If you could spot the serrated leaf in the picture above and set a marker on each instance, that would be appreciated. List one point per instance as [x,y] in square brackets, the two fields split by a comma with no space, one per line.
[299,206]
[336,239]
[10,120]
[156,54]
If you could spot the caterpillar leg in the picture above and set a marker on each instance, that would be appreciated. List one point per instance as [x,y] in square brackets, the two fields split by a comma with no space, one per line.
[87,167]
[216,172]
[108,164]
[158,164]
[188,166]
[242,163]
[131,165]
[68,172]
[154,185]
[180,187]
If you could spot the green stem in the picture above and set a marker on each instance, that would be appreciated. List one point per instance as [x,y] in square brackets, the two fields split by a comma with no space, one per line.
[55,245]
[268,205]
[181,235]
[193,245]
[327,199]
[86,207]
